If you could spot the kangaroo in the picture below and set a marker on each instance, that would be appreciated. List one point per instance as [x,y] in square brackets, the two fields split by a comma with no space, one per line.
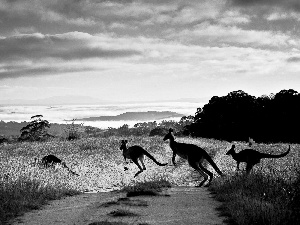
[50,160]
[194,155]
[251,157]
[136,153]
[250,142]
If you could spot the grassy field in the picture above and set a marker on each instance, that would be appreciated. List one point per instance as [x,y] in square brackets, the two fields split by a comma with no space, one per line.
[99,162]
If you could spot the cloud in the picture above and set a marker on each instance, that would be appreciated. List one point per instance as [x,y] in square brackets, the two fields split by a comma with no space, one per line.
[218,35]
[283,16]
[196,12]
[39,54]
[293,5]
[39,69]
[232,17]
[84,13]
[294,59]
[73,12]
[68,46]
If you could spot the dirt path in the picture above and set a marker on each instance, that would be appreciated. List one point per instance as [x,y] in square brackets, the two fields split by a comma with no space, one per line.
[177,205]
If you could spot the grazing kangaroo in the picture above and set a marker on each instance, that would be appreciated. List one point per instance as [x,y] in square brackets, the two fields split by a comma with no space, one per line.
[136,153]
[250,142]
[251,157]
[195,156]
[50,160]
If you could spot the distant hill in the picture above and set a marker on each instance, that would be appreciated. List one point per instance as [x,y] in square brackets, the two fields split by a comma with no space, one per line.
[11,128]
[138,116]
[56,100]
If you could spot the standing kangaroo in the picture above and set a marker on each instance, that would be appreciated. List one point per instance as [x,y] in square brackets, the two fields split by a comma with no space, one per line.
[195,156]
[136,153]
[251,157]
[50,160]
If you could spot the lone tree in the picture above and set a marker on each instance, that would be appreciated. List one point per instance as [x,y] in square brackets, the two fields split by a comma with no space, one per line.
[36,130]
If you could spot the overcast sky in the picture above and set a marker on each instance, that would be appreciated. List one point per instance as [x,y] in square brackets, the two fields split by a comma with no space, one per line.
[148,49]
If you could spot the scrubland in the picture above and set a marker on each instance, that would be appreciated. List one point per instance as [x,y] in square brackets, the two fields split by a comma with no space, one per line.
[268,196]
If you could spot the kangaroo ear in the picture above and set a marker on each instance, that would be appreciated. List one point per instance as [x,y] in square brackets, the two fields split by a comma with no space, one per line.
[171,130]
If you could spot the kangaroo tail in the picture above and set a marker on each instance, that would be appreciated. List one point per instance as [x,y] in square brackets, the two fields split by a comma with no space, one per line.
[277,156]
[154,160]
[64,165]
[213,164]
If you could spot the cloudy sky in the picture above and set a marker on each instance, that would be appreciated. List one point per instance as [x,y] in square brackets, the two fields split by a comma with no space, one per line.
[129,50]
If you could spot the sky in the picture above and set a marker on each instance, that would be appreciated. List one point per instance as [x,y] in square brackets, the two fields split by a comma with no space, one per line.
[148,50]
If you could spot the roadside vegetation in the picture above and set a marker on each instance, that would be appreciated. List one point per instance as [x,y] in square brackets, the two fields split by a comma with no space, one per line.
[270,194]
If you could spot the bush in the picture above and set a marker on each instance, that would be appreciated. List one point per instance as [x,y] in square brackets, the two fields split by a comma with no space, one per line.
[159,131]
[74,131]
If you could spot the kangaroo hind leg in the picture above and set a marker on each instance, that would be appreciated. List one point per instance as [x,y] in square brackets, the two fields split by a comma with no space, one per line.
[210,174]
[249,167]
[139,166]
[142,162]
[195,165]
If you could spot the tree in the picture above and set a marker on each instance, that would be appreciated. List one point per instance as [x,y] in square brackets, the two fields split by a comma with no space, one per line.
[144,128]
[124,129]
[239,116]
[36,130]
[159,131]
[185,123]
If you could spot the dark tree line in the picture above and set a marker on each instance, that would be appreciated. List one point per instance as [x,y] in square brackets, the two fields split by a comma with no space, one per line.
[151,128]
[238,116]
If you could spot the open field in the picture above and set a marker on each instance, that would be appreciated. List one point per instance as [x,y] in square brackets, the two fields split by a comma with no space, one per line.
[100,164]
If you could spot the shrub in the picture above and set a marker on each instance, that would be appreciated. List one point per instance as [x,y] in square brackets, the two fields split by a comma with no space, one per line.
[74,131]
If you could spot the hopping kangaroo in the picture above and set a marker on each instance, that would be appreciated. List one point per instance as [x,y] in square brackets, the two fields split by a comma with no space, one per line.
[136,153]
[251,157]
[195,156]
[50,160]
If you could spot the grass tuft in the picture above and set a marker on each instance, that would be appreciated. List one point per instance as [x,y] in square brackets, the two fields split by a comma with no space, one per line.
[107,223]
[122,213]
[149,188]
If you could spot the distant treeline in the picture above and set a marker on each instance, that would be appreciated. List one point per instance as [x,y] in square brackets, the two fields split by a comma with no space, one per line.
[11,128]
[238,116]
[140,116]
